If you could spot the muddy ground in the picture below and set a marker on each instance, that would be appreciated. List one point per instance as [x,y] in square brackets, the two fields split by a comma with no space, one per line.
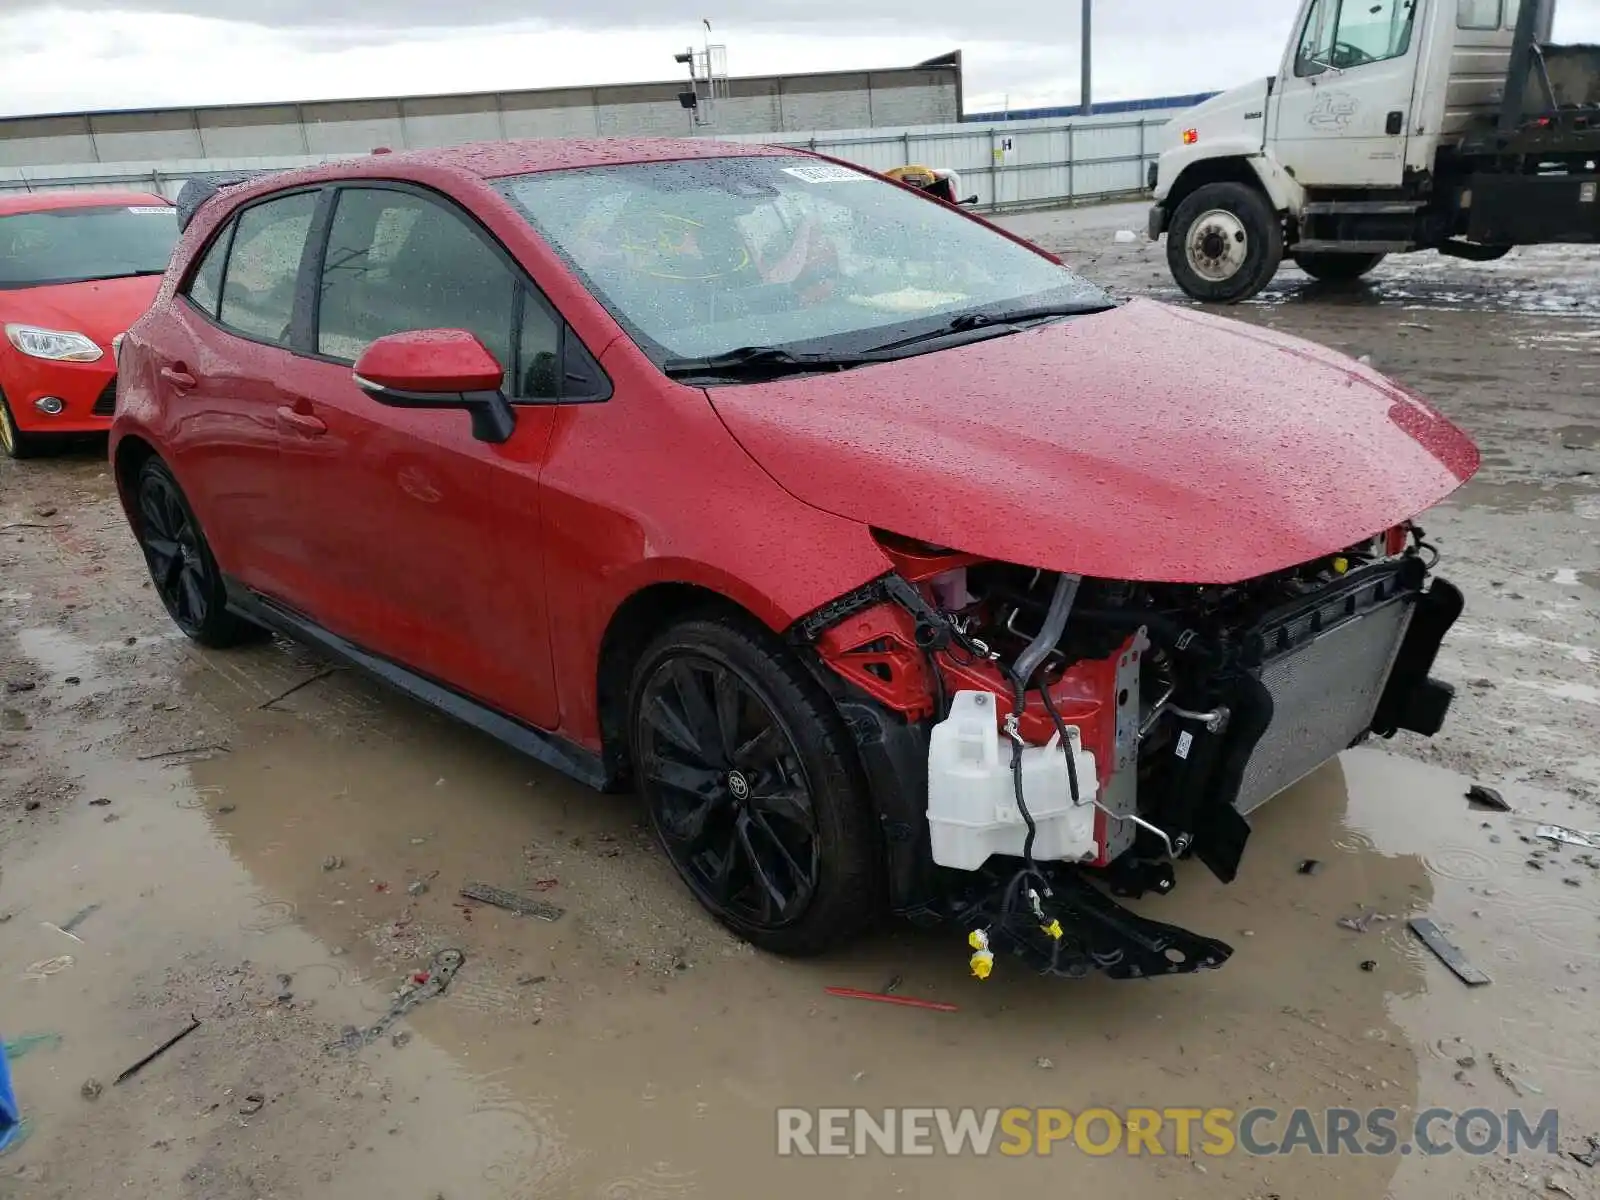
[299,861]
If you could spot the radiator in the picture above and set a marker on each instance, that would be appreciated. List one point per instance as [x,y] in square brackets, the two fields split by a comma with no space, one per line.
[1325,684]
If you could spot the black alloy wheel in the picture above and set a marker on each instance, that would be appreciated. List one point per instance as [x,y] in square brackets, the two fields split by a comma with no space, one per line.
[182,568]
[750,788]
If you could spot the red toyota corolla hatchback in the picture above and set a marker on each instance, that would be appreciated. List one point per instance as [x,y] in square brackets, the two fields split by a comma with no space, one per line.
[76,268]
[897,567]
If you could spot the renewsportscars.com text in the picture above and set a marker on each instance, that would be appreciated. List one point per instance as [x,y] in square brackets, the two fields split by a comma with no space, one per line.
[1184,1132]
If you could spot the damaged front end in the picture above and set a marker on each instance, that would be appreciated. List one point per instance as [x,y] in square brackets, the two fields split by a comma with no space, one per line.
[1038,743]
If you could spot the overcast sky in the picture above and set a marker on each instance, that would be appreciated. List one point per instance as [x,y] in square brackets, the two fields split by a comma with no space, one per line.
[133,53]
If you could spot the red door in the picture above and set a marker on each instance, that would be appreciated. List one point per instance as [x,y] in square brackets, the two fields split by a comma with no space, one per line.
[218,368]
[415,540]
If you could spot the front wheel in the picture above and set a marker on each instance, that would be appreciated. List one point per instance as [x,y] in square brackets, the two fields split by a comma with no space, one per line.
[752,789]
[1337,268]
[13,442]
[1225,243]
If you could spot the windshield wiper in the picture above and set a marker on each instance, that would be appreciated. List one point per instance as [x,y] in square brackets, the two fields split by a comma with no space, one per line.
[764,361]
[999,320]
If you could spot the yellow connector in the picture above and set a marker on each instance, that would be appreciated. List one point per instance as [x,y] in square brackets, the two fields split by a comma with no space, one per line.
[978,939]
[982,963]
[1341,564]
[1053,929]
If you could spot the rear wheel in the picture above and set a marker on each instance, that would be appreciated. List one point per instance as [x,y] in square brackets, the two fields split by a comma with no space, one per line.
[182,567]
[752,789]
[13,442]
[1337,268]
[1225,243]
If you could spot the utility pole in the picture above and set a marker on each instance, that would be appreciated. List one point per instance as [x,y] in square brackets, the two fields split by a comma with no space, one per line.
[1088,6]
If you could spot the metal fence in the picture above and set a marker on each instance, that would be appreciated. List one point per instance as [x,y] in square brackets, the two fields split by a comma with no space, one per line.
[1009,166]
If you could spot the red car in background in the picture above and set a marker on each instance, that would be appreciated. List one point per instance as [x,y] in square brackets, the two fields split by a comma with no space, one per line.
[76,268]
[892,563]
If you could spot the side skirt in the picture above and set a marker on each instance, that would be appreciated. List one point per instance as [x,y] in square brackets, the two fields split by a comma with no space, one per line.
[567,757]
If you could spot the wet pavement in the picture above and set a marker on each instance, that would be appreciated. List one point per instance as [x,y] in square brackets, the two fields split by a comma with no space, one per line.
[279,869]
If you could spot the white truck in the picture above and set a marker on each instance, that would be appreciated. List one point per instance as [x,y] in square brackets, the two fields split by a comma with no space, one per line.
[1391,126]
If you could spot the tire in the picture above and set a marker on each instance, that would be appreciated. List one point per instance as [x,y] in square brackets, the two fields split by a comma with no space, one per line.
[1337,268]
[748,774]
[183,570]
[13,442]
[1225,243]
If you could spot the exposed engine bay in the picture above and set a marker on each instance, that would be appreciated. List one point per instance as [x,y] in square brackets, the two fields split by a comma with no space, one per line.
[1041,743]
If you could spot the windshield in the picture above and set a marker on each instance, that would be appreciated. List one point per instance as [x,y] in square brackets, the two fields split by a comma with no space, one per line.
[700,257]
[71,245]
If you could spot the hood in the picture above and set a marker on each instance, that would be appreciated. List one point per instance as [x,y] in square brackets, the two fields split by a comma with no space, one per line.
[100,308]
[1224,116]
[1148,442]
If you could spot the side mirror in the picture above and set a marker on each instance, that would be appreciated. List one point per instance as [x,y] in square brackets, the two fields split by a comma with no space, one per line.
[972,199]
[439,368]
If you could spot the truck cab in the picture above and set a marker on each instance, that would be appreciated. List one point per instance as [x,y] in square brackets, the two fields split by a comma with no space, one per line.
[1383,121]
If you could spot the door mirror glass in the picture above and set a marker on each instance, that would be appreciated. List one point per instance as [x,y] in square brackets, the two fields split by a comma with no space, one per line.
[438,368]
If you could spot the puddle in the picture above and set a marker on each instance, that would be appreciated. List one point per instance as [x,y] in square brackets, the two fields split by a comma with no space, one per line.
[632,1049]
[1522,496]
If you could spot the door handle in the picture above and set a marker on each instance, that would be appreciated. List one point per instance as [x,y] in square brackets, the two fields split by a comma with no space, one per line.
[304,424]
[179,378]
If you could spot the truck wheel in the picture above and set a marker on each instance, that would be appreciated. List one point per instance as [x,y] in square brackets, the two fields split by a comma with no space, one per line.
[1225,243]
[751,785]
[1337,268]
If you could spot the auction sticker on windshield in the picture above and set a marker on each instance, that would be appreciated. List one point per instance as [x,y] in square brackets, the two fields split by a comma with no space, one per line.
[825,173]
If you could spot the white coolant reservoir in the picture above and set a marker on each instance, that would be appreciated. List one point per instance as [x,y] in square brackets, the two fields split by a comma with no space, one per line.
[972,803]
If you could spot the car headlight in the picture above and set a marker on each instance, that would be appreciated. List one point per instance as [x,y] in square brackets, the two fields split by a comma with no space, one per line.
[53,344]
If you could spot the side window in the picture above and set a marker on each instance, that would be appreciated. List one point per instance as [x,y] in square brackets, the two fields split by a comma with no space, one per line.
[263,266]
[1346,34]
[205,288]
[397,262]
[1479,14]
[538,353]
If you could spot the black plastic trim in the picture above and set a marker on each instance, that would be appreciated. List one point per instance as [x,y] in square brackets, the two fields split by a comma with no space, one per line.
[567,757]
[1412,700]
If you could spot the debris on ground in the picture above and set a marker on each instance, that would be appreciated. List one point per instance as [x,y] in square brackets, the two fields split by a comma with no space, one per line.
[284,984]
[1505,1072]
[1447,952]
[419,986]
[179,751]
[523,906]
[892,986]
[30,805]
[194,1023]
[845,993]
[529,980]
[253,1103]
[20,1047]
[1554,1183]
[79,917]
[49,966]
[545,885]
[91,1089]
[399,1038]
[416,887]
[1560,834]
[1486,799]
[13,686]
[1363,920]
[304,683]
[1309,866]
[100,802]
[1043,1063]
[1125,237]
[1589,1158]
[1369,965]
[332,863]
